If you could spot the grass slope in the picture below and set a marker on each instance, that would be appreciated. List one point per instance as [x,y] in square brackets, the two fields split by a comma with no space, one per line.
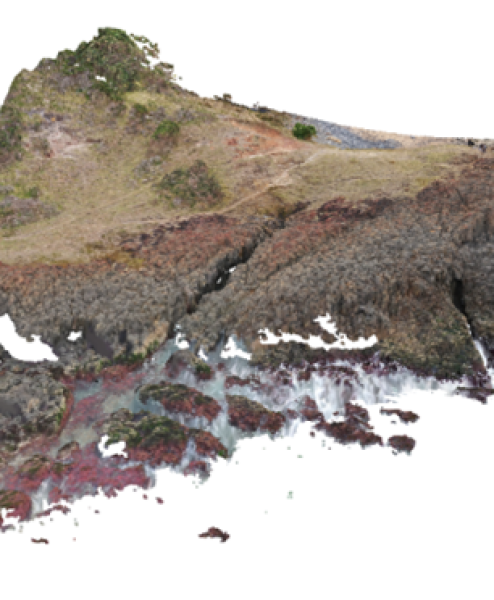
[96,147]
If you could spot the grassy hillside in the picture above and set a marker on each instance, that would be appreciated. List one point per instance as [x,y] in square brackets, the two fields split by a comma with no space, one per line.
[96,145]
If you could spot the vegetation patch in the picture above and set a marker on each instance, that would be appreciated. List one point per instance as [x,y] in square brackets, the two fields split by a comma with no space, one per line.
[166,129]
[114,57]
[191,187]
[200,368]
[303,132]
[11,126]
[145,429]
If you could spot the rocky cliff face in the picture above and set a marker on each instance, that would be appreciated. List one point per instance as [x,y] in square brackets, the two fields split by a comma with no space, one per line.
[111,229]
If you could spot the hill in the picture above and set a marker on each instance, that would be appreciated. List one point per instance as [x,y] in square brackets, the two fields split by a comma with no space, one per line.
[128,200]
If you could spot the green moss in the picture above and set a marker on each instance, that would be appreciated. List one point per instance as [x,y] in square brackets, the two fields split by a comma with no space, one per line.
[123,359]
[58,468]
[223,453]
[152,347]
[112,439]
[200,368]
[8,498]
[147,431]
[103,364]
[140,110]
[59,415]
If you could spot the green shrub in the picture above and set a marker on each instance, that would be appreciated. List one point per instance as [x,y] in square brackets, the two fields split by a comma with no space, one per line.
[303,132]
[114,55]
[166,129]
[140,110]
[11,123]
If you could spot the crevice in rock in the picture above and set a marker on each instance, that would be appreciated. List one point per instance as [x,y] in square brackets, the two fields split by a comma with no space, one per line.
[220,277]
[458,297]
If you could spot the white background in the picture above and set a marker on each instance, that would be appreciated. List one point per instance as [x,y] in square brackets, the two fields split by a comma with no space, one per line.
[361,523]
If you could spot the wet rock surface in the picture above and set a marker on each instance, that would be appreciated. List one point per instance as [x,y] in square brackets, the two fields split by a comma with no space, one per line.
[402,443]
[215,532]
[406,416]
[72,469]
[179,398]
[157,439]
[186,358]
[355,427]
[121,313]
[18,503]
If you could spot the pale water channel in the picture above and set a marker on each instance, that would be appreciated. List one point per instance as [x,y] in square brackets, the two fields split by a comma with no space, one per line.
[307,517]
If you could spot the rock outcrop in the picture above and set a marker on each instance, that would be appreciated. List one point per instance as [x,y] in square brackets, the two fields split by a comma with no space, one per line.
[226,225]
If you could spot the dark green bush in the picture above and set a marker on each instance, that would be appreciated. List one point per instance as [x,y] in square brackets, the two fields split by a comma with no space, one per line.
[114,55]
[140,110]
[11,123]
[303,132]
[166,129]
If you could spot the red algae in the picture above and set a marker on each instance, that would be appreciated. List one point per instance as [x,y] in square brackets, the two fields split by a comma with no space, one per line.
[171,453]
[18,502]
[91,472]
[250,416]
[207,444]
[196,466]
[60,507]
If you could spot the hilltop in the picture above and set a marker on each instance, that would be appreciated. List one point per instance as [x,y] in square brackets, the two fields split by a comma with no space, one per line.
[81,166]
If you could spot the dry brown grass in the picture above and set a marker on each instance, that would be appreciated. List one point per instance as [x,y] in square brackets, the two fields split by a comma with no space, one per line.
[266,171]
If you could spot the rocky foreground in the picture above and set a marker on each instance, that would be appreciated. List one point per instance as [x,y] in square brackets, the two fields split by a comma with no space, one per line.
[416,270]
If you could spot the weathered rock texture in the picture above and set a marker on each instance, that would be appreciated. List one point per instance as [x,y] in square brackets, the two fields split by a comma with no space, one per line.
[411,263]
[413,273]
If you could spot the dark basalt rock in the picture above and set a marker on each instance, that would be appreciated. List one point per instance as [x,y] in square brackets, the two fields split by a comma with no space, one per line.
[402,443]
[185,359]
[308,409]
[410,270]
[154,439]
[215,532]
[178,398]
[355,427]
[405,416]
[251,416]
[476,393]
[47,512]
[66,452]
